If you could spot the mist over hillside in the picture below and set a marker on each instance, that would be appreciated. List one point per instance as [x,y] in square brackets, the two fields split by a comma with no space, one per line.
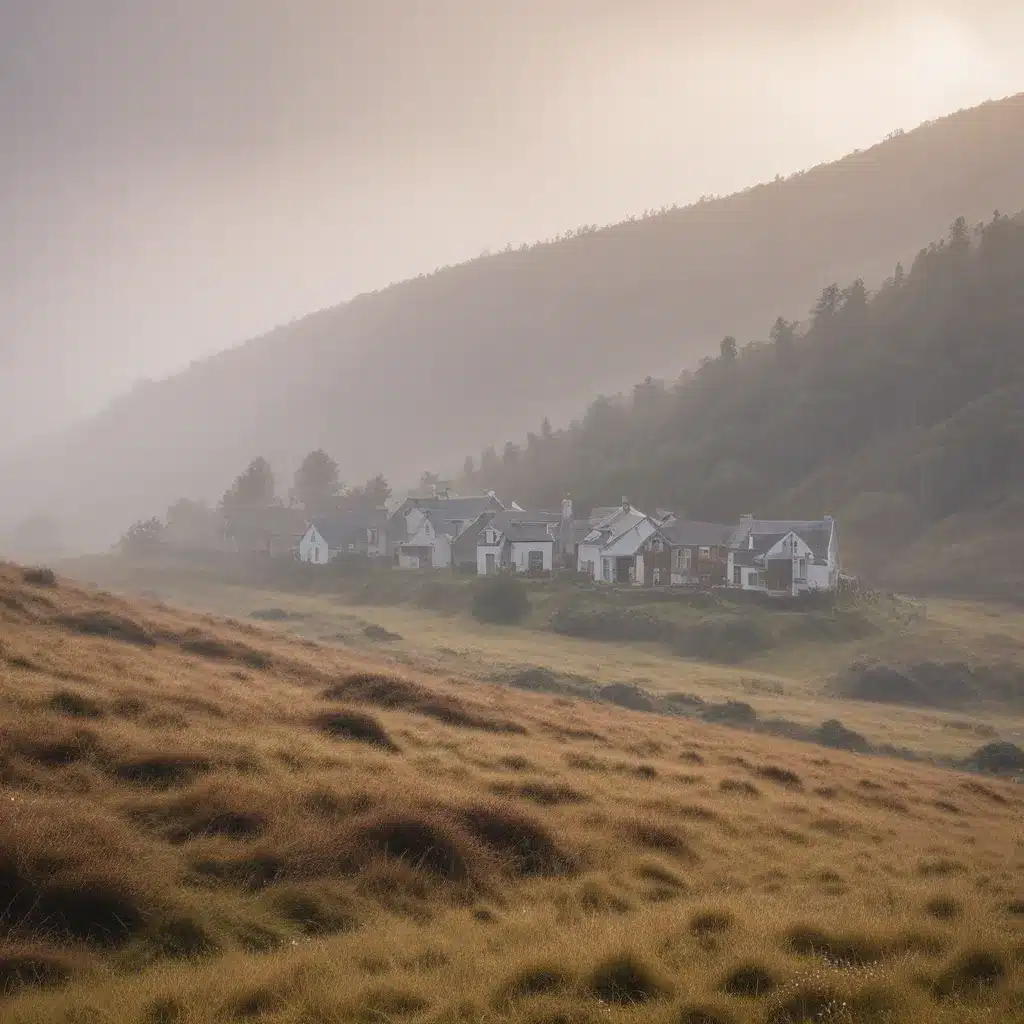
[419,374]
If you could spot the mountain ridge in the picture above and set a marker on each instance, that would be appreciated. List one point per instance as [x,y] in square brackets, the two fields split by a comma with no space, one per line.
[416,374]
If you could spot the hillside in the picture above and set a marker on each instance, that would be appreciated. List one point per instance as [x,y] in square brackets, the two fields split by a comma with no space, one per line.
[900,412]
[422,372]
[204,821]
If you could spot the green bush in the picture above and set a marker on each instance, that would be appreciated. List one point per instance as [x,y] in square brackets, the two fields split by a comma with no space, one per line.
[500,599]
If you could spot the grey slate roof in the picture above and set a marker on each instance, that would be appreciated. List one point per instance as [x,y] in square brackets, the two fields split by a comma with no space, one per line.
[340,531]
[815,533]
[683,533]
[522,525]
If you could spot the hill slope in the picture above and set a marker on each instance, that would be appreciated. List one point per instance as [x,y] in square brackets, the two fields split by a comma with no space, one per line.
[902,413]
[424,371]
[206,822]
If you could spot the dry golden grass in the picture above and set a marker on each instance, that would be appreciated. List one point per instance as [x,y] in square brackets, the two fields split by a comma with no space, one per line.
[205,821]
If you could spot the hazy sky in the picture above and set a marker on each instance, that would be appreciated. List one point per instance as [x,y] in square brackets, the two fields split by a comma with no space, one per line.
[178,175]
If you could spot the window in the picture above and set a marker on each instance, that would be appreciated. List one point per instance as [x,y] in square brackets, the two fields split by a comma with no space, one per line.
[656,577]
[737,575]
[683,557]
[607,570]
[705,552]
[656,545]
[372,537]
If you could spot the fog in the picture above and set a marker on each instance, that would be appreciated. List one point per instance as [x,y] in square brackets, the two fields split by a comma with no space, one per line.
[177,177]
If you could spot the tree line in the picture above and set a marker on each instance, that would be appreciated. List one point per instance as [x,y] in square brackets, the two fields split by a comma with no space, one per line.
[901,407]
[317,490]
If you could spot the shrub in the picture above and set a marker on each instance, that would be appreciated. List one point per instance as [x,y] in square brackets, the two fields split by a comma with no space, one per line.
[997,759]
[627,695]
[731,712]
[833,733]
[728,639]
[619,625]
[39,577]
[502,600]
[783,776]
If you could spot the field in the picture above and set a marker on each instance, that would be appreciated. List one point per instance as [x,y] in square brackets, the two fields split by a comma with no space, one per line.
[347,813]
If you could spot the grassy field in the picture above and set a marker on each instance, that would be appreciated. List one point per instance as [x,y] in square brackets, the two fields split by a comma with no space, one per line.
[795,680]
[206,820]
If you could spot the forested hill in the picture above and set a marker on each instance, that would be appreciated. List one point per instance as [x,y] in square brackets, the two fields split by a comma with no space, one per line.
[412,377]
[901,412]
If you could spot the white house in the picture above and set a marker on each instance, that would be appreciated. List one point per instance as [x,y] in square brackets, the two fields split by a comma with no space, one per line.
[428,543]
[518,541]
[612,552]
[348,534]
[784,556]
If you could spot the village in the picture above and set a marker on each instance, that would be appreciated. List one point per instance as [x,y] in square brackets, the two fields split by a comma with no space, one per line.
[619,544]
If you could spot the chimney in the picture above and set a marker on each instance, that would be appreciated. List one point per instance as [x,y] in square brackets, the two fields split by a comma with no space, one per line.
[566,509]
[747,523]
[625,504]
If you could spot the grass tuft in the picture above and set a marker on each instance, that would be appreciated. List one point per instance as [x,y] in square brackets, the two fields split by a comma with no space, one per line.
[749,981]
[626,981]
[348,724]
[536,980]
[524,845]
[970,974]
[430,843]
[75,704]
[396,693]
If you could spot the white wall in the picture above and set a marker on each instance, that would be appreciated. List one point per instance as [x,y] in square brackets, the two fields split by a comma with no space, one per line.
[589,553]
[482,551]
[313,548]
[520,556]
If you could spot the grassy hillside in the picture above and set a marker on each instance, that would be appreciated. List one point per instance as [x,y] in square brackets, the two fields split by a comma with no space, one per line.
[203,821]
[901,412]
[421,373]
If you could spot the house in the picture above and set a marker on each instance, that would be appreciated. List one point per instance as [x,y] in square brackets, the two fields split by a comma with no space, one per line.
[687,553]
[784,557]
[426,529]
[518,541]
[612,551]
[266,530]
[355,533]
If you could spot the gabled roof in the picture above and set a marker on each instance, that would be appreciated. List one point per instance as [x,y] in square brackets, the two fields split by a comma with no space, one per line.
[340,531]
[535,533]
[521,525]
[815,533]
[684,533]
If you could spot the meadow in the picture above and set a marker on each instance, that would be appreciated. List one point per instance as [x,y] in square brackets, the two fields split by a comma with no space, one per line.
[328,812]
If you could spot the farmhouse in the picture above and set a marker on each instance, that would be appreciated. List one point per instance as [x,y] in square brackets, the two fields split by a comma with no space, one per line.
[352,534]
[684,553]
[612,551]
[426,530]
[784,557]
[518,541]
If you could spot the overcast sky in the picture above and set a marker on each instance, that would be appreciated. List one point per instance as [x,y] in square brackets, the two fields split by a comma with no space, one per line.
[178,175]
